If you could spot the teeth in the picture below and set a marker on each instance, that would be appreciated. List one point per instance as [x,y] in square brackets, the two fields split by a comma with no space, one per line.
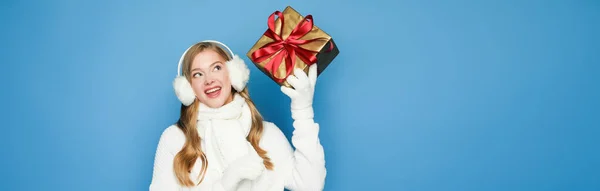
[212,90]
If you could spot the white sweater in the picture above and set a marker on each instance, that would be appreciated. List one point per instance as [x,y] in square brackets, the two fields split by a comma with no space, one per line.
[223,133]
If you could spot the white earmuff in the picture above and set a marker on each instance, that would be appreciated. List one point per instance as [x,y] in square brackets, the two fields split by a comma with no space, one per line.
[239,74]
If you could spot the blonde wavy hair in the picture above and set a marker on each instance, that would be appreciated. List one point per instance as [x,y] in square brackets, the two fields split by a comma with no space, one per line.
[185,159]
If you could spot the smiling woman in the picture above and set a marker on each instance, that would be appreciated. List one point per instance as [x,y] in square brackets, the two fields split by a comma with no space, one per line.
[221,141]
[209,76]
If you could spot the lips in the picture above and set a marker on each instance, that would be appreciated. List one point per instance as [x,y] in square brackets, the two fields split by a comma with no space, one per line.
[213,92]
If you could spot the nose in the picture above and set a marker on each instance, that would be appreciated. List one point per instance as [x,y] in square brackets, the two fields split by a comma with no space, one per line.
[209,79]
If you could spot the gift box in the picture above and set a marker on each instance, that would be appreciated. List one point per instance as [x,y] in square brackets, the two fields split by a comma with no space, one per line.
[291,41]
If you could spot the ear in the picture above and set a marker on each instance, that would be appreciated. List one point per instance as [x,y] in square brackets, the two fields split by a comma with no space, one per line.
[239,74]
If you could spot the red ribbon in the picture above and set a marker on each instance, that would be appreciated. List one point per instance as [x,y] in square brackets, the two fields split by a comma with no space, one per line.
[287,48]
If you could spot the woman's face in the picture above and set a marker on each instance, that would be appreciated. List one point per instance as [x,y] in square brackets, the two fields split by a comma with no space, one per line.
[210,79]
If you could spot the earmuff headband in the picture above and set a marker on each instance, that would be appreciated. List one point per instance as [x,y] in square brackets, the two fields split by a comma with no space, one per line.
[211,41]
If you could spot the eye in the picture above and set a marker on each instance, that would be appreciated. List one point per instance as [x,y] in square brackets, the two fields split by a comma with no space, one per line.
[218,67]
[196,75]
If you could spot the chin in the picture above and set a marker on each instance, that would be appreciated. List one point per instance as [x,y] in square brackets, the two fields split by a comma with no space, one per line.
[215,96]
[217,101]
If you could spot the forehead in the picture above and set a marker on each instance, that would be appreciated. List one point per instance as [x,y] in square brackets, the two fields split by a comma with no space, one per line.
[205,58]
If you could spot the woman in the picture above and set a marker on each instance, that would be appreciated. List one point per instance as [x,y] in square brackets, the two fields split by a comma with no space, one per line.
[221,141]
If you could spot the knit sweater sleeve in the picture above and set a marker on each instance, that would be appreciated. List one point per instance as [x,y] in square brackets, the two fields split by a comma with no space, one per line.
[163,176]
[169,144]
[304,167]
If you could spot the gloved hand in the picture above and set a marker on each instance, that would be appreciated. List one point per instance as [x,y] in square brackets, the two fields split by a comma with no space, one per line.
[303,92]
[247,167]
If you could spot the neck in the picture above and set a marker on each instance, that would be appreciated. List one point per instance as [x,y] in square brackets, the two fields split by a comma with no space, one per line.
[236,110]
[232,109]
[229,99]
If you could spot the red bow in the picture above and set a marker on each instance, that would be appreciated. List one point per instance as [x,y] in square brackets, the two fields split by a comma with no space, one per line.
[286,48]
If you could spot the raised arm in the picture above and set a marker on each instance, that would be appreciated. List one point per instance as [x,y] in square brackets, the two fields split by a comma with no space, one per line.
[308,172]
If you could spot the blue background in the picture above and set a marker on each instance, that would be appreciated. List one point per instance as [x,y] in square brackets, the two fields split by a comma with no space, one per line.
[425,95]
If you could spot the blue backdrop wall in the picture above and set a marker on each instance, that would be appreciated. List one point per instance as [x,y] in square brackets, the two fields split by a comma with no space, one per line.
[425,95]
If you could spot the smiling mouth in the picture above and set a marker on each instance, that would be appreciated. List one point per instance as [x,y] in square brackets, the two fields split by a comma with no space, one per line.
[213,92]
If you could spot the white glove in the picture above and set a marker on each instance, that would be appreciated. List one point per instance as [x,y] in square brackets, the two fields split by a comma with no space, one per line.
[303,92]
[247,167]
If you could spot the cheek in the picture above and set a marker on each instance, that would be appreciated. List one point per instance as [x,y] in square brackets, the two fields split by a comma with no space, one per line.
[197,86]
[226,82]
[224,78]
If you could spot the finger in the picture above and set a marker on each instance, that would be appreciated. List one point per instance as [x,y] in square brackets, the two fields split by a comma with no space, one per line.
[253,166]
[256,156]
[251,151]
[258,167]
[300,74]
[250,173]
[288,91]
[258,173]
[295,82]
[259,170]
[312,74]
[254,169]
[254,175]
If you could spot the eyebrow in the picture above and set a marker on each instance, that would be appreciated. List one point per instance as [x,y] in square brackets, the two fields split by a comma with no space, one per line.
[216,62]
